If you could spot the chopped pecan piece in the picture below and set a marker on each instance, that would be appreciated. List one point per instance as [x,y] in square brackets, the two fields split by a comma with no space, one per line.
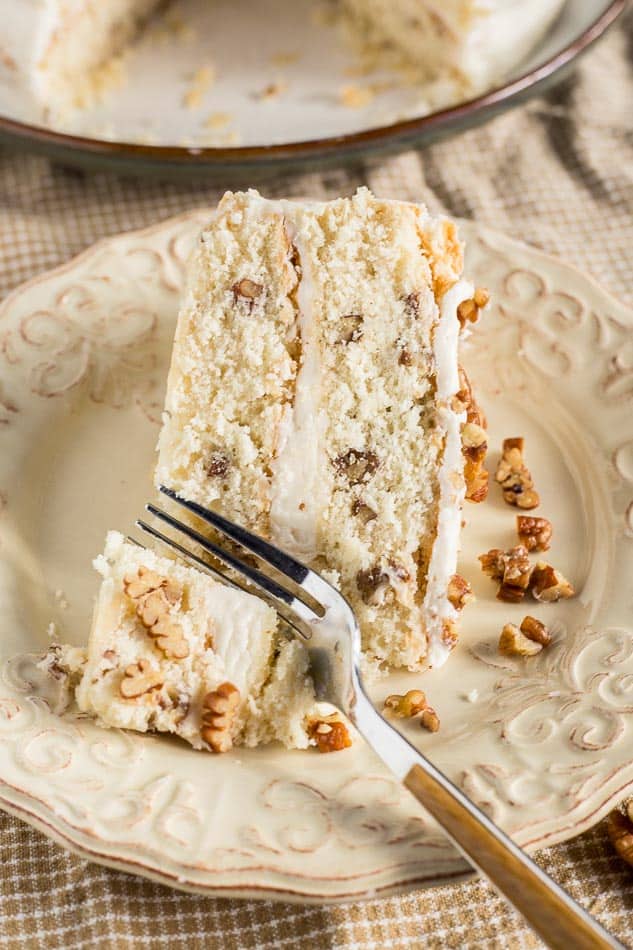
[534,533]
[219,708]
[363,512]
[139,678]
[474,441]
[493,564]
[329,733]
[404,707]
[620,831]
[372,584]
[217,465]
[548,585]
[358,466]
[247,290]
[136,586]
[350,328]
[514,643]
[412,304]
[511,568]
[469,310]
[464,401]
[510,594]
[430,720]
[449,633]
[405,358]
[460,592]
[514,476]
[413,703]
[535,630]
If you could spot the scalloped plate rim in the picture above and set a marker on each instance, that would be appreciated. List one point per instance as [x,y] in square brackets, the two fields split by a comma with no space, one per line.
[24,805]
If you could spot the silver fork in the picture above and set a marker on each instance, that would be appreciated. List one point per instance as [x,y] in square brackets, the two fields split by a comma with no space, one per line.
[326,624]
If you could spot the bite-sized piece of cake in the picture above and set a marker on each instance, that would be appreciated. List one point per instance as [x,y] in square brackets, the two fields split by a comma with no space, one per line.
[469,43]
[172,650]
[312,397]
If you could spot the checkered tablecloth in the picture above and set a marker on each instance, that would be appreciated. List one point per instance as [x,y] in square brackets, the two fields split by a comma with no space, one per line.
[557,173]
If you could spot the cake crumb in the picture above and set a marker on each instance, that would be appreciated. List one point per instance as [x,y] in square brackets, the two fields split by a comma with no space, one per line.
[472,696]
[60,597]
[272,91]
[355,97]
[51,630]
[217,120]
[285,58]
[201,81]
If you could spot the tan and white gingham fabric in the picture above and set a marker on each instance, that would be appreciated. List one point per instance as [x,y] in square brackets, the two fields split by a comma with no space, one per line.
[557,173]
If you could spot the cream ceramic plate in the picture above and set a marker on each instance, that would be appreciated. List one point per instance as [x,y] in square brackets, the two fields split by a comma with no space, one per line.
[544,745]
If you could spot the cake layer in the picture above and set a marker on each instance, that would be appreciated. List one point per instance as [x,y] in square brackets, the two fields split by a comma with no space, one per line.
[168,642]
[310,398]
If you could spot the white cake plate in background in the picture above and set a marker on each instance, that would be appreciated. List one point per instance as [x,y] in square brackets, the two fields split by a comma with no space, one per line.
[278,97]
[543,744]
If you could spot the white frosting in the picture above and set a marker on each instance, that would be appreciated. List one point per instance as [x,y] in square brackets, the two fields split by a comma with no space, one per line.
[296,489]
[502,35]
[437,607]
[27,29]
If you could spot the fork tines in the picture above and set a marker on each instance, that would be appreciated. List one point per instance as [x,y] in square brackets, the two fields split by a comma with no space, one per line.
[290,607]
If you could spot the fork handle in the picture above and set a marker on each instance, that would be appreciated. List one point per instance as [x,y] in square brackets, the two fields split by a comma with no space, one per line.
[549,910]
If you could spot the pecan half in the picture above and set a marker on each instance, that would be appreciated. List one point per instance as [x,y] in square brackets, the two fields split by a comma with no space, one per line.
[219,708]
[534,533]
[169,638]
[329,733]
[139,678]
[153,596]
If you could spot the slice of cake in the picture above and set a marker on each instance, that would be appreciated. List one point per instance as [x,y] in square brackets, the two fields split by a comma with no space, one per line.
[314,396]
[51,50]
[470,44]
[172,650]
